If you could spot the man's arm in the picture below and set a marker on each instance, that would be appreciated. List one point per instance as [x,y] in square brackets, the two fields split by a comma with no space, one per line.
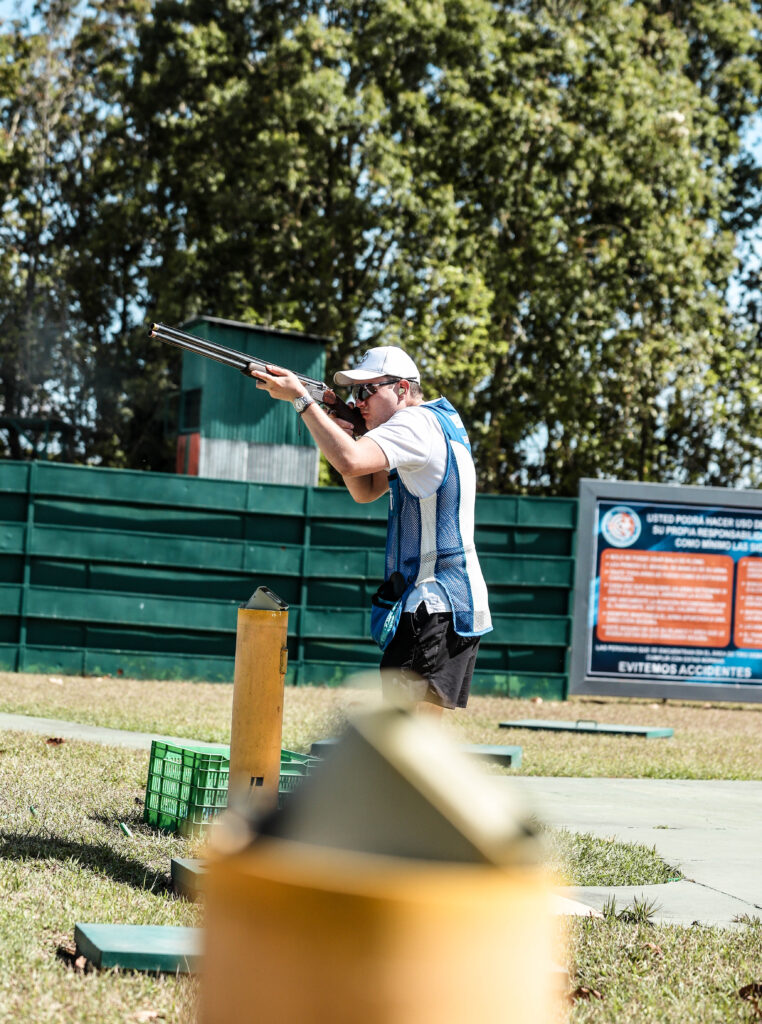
[367,488]
[361,463]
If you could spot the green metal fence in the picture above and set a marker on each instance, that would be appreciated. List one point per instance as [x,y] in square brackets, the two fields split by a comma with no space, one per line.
[106,572]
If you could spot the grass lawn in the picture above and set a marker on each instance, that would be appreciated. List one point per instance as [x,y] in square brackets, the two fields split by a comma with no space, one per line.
[710,741]
[64,858]
[643,974]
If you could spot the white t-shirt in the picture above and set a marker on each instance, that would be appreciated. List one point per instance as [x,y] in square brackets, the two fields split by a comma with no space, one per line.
[414,444]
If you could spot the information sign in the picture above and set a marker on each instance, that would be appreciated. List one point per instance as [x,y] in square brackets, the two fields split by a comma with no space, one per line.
[668,593]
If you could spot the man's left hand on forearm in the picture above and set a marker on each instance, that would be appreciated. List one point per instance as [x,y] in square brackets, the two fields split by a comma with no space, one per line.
[278,383]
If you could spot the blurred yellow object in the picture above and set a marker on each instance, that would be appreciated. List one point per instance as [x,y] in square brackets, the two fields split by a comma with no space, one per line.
[302,934]
[257,722]
[397,885]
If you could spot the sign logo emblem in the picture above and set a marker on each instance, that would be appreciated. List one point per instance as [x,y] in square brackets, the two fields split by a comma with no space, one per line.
[621,526]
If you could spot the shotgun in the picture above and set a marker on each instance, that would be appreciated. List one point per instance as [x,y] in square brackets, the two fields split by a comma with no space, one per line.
[242,361]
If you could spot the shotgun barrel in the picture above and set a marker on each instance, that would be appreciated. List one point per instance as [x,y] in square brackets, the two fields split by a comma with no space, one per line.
[242,361]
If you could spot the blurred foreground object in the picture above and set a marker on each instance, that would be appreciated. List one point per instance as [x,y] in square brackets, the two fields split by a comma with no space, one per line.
[398,885]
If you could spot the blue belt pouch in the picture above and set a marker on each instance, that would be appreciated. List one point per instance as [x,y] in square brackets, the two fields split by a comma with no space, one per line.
[386,608]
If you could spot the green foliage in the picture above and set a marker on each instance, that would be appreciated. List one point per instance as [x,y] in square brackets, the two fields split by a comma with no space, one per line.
[34,122]
[610,266]
[74,244]
[544,202]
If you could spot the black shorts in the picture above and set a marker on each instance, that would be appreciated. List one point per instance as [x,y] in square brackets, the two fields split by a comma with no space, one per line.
[428,661]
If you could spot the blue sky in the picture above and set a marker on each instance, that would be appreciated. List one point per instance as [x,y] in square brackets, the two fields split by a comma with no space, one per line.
[9,8]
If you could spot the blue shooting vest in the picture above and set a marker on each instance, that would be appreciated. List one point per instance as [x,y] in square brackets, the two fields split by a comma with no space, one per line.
[433,537]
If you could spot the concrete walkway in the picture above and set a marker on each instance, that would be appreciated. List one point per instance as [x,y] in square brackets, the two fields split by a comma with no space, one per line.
[92,733]
[710,829]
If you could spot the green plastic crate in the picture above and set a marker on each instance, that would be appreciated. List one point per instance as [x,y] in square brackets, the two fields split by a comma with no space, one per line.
[289,780]
[188,786]
[293,768]
[302,763]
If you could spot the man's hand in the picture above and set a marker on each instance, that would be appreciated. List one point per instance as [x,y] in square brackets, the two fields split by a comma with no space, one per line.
[277,382]
[329,397]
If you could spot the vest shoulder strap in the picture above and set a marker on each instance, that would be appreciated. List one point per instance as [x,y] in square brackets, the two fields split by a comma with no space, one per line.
[450,420]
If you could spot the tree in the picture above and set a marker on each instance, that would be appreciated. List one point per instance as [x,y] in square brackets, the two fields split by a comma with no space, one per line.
[599,179]
[537,200]
[35,91]
[73,243]
[126,380]
[543,201]
[284,176]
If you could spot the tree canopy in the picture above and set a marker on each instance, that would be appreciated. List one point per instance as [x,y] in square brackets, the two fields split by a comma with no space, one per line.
[544,202]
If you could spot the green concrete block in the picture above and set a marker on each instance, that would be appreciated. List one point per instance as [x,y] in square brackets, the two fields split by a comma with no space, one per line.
[137,947]
[588,725]
[187,876]
[495,753]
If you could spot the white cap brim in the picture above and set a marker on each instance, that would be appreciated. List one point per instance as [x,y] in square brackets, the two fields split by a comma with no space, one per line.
[345,378]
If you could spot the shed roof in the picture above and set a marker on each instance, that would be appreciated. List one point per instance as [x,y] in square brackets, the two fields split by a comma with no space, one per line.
[240,325]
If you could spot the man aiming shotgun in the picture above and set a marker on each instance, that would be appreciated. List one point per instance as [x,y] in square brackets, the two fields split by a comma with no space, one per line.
[432,609]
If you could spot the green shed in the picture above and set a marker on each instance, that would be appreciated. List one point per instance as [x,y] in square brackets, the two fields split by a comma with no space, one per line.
[227,429]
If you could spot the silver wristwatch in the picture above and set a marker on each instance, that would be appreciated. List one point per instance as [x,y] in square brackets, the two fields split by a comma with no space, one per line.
[301,403]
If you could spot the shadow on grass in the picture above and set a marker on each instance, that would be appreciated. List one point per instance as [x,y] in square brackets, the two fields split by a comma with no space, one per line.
[95,857]
[133,818]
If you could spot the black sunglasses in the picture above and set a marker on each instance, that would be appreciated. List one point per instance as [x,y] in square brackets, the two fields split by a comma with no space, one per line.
[359,392]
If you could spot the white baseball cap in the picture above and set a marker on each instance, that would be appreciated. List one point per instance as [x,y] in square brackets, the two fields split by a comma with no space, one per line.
[384,361]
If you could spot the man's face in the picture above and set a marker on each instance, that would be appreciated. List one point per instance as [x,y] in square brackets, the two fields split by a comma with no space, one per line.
[381,406]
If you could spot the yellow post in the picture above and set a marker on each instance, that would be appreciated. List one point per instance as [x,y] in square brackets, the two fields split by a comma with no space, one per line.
[260,669]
